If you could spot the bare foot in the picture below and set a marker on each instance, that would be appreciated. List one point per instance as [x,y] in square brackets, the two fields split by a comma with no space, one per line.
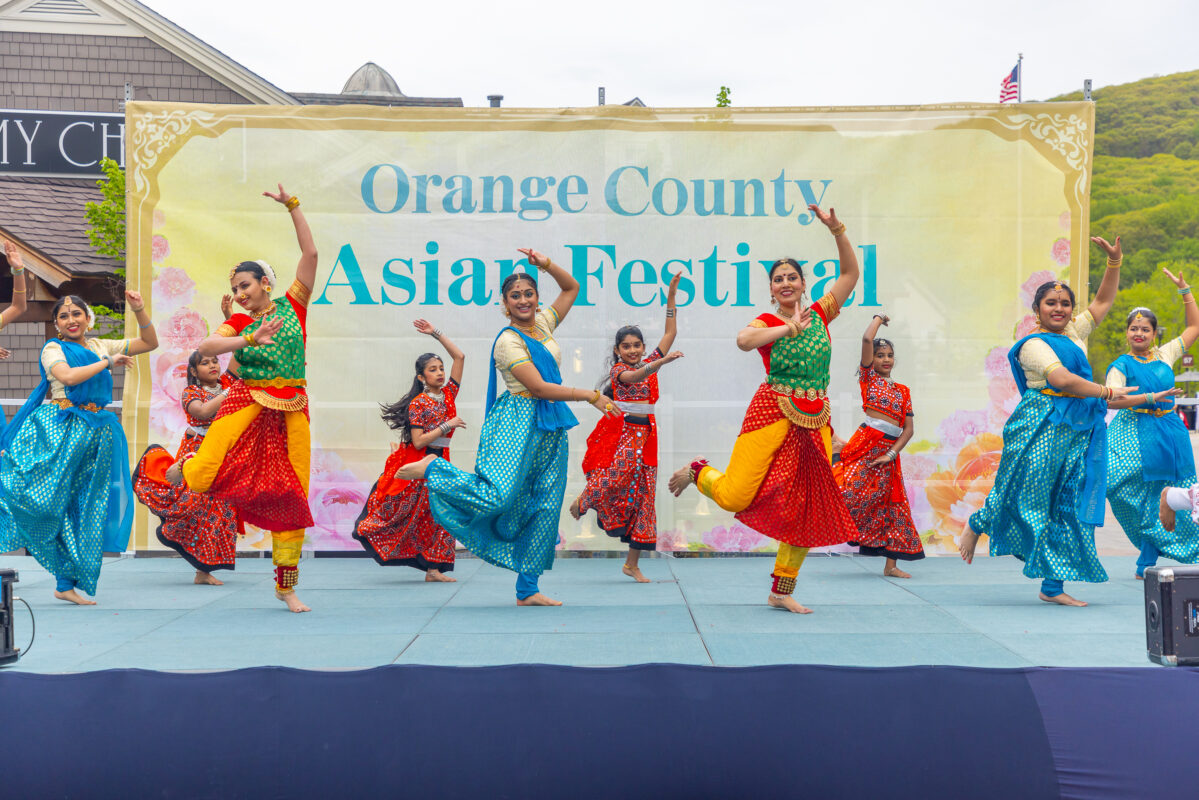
[967,544]
[207,578]
[1061,599]
[787,603]
[680,480]
[1164,512]
[1138,577]
[538,600]
[414,471]
[895,572]
[72,596]
[574,509]
[437,576]
[634,573]
[293,602]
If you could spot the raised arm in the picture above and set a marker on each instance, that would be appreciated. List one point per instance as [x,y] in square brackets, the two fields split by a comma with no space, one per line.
[672,325]
[148,338]
[751,337]
[20,293]
[847,277]
[458,358]
[566,282]
[1106,294]
[1191,332]
[645,370]
[1064,380]
[870,335]
[306,268]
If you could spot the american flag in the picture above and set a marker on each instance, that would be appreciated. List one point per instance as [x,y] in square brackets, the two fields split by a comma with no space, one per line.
[1009,90]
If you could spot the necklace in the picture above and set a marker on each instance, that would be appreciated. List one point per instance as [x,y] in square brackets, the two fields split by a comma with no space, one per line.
[436,394]
[270,309]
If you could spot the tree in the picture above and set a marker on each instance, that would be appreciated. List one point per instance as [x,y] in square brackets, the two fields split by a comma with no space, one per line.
[722,97]
[106,232]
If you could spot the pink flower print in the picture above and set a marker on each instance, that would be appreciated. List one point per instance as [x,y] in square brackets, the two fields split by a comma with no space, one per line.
[916,471]
[168,371]
[185,329]
[1025,326]
[160,248]
[672,540]
[1004,395]
[960,426]
[1061,251]
[1028,289]
[334,510]
[996,363]
[171,289]
[737,539]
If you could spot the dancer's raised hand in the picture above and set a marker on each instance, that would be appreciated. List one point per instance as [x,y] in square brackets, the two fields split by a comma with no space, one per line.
[1114,251]
[423,326]
[1177,279]
[829,218]
[279,197]
[227,305]
[539,260]
[4,353]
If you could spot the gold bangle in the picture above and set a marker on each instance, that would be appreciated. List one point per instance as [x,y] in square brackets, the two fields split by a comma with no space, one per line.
[548,262]
[18,291]
[597,396]
[1115,263]
[837,231]
[249,337]
[292,203]
[138,310]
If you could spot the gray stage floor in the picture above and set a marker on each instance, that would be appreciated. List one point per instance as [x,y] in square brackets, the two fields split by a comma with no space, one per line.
[697,611]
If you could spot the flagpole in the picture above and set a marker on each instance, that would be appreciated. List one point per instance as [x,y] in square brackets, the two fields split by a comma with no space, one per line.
[1019,77]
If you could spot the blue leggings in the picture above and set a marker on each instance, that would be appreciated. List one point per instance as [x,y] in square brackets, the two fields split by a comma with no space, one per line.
[1147,558]
[1052,588]
[526,585]
[64,585]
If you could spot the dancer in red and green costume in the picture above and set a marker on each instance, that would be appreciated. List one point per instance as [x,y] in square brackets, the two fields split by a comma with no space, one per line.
[257,451]
[780,479]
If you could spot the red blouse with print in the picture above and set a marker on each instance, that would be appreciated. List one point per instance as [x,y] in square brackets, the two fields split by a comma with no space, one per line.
[646,390]
[884,396]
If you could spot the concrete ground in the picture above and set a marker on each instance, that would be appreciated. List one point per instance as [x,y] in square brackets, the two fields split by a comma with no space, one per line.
[696,611]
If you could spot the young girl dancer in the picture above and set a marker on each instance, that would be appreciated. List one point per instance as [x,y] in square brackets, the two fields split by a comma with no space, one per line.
[621,463]
[395,525]
[200,527]
[780,479]
[869,471]
[257,451]
[65,493]
[1148,446]
[1048,494]
[507,511]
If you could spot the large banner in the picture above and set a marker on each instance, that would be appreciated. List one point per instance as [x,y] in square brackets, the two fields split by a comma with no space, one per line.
[956,212]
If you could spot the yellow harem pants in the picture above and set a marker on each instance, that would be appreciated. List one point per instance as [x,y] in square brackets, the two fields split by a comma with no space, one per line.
[201,470]
[735,489]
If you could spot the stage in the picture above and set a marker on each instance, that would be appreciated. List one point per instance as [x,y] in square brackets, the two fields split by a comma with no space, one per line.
[702,611]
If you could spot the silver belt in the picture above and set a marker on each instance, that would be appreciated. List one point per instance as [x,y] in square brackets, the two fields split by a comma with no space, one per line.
[636,409]
[440,441]
[883,427]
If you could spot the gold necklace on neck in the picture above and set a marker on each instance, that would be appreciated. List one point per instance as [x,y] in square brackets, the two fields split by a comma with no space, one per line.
[270,309]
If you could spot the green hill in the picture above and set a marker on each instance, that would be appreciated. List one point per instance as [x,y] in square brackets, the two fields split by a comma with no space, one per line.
[1146,189]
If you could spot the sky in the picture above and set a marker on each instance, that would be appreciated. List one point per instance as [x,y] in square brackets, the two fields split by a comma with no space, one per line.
[542,54]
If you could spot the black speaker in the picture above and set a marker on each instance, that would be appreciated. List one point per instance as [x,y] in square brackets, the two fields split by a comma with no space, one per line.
[8,650]
[1172,615]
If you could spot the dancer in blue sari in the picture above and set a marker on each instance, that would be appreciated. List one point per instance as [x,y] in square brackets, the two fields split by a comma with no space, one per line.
[1049,490]
[507,511]
[65,492]
[1149,449]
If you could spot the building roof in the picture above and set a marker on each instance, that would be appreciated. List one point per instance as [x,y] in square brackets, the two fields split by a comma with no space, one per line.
[45,218]
[370,78]
[372,85]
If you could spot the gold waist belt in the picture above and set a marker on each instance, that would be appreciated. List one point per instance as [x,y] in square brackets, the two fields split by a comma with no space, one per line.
[64,403]
[798,394]
[1056,393]
[275,383]
[1157,412]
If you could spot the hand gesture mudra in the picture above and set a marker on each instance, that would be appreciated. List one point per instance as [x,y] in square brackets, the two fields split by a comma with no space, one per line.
[539,260]
[134,299]
[227,305]
[123,361]
[883,319]
[279,197]
[12,254]
[267,330]
[1114,251]
[4,353]
[829,218]
[1177,279]
[423,326]
[804,318]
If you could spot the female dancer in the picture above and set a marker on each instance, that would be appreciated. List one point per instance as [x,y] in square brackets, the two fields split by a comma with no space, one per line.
[1048,492]
[395,526]
[256,452]
[621,463]
[780,479]
[869,472]
[507,511]
[200,527]
[1148,446]
[65,493]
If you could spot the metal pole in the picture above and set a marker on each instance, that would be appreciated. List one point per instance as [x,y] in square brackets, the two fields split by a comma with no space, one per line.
[1086,90]
[1019,77]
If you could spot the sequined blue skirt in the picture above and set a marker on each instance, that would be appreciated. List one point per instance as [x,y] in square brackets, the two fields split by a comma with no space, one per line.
[1032,510]
[1135,501]
[506,512]
[58,498]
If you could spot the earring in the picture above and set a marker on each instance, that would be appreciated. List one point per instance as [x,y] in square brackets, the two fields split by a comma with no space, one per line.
[774,301]
[507,313]
[266,287]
